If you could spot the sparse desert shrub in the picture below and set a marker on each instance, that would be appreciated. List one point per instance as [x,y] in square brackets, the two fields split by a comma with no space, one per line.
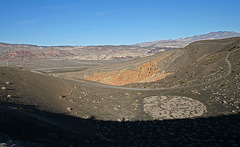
[4,88]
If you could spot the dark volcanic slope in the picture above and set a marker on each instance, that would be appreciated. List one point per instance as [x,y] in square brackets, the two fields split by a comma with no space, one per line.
[31,110]
[202,62]
[30,88]
[198,107]
[206,70]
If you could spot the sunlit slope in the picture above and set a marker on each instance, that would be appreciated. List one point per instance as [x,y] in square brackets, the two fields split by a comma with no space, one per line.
[163,65]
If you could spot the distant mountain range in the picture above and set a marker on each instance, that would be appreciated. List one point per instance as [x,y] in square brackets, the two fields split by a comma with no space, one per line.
[181,42]
[10,52]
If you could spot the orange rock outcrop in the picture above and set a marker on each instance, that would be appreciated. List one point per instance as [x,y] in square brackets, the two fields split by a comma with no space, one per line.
[147,72]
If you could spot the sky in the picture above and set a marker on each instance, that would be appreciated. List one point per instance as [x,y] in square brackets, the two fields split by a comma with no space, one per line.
[113,22]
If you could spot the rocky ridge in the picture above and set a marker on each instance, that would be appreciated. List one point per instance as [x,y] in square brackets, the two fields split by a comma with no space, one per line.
[182,42]
[10,52]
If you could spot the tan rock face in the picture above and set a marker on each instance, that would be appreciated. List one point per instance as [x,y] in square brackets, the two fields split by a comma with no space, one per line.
[148,72]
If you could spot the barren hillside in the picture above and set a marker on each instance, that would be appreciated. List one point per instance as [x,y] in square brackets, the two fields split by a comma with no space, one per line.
[207,56]
[179,97]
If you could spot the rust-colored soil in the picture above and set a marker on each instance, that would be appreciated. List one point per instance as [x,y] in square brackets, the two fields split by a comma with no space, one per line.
[148,72]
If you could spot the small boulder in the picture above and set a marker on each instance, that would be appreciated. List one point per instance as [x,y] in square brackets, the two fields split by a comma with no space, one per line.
[224,102]
[4,88]
[69,109]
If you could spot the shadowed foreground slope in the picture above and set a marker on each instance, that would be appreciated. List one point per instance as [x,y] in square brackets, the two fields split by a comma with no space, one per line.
[27,119]
[30,131]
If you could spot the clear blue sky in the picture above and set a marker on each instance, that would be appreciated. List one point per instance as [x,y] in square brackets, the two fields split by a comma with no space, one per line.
[99,22]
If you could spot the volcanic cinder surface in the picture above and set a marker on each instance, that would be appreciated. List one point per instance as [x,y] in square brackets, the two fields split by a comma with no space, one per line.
[189,96]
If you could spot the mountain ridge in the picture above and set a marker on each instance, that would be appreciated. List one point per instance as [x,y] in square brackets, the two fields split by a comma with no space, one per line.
[181,42]
[17,52]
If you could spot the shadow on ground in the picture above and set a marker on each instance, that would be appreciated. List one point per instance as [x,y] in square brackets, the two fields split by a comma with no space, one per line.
[36,127]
